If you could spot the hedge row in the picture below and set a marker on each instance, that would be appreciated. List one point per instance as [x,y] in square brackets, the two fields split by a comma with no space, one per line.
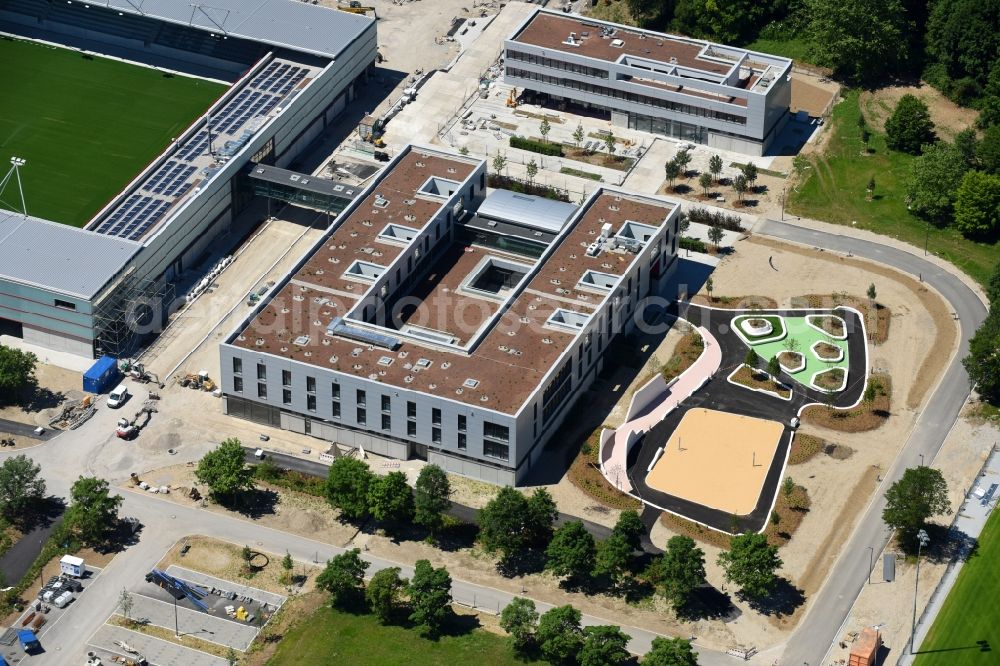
[539,147]
[692,244]
[715,219]
[61,542]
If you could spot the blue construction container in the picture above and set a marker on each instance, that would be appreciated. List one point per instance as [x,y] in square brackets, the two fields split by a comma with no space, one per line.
[102,376]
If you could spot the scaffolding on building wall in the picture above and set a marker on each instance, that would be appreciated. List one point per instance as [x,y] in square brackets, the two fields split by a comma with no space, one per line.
[131,312]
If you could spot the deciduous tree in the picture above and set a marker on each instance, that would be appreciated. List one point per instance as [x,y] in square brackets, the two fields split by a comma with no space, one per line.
[571,552]
[225,471]
[921,493]
[934,180]
[670,652]
[431,497]
[347,485]
[17,371]
[21,486]
[383,593]
[604,645]
[344,577]
[630,528]
[977,206]
[909,127]
[518,619]
[559,635]
[861,40]
[715,166]
[750,563]
[679,571]
[390,498]
[93,510]
[430,597]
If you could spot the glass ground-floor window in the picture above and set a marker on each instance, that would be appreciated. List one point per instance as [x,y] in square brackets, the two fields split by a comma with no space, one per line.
[666,127]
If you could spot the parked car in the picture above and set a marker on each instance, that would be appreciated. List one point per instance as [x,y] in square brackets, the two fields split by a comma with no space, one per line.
[118,396]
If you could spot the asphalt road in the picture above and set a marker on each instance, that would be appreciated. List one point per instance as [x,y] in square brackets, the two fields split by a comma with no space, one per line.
[832,604]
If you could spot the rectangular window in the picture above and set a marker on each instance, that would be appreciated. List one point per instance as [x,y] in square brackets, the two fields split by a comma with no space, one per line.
[261,390]
[411,429]
[386,422]
[335,409]
[497,432]
[261,371]
[495,450]
[286,396]
[461,442]
[436,435]
[311,402]
[362,416]
[435,416]
[310,384]
[237,365]
[411,410]
[286,377]
[461,422]
[335,390]
[386,403]
[238,384]
[361,399]
[65,305]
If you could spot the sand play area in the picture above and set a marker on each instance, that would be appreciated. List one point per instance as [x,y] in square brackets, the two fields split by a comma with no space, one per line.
[717,459]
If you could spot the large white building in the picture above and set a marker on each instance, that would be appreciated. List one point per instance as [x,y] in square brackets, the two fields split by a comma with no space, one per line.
[722,96]
[437,321]
[293,67]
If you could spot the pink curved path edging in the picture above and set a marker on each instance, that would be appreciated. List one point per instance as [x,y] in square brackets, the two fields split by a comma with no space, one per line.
[615,443]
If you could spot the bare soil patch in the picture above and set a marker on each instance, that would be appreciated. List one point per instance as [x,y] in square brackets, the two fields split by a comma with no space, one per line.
[736,302]
[864,417]
[949,118]
[877,317]
[808,95]
[756,379]
[599,159]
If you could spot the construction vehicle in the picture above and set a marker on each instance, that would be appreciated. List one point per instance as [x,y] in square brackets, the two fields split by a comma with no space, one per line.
[137,371]
[356,7]
[512,98]
[198,381]
[127,429]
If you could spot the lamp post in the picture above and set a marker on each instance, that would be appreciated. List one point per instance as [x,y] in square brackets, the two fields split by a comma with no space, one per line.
[922,540]
[871,562]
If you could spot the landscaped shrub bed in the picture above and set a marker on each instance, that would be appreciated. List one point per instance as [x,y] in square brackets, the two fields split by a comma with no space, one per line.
[686,352]
[790,510]
[876,317]
[737,302]
[756,379]
[777,327]
[825,350]
[804,447]
[726,221]
[539,147]
[585,473]
[693,244]
[790,359]
[866,416]
[832,325]
[830,380]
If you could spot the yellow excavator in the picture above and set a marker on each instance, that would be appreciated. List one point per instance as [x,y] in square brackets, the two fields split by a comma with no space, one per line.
[356,7]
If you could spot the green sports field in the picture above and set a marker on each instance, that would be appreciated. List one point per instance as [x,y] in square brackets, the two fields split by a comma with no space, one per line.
[86,126]
[967,630]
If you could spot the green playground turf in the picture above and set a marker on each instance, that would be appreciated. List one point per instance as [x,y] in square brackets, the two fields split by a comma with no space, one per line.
[967,630]
[86,125]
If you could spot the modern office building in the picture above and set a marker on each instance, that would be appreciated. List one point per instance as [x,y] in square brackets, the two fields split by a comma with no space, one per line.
[437,321]
[722,96]
[293,68]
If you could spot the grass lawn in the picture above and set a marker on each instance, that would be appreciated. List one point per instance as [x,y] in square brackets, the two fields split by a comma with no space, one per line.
[333,637]
[966,630]
[834,191]
[796,48]
[86,126]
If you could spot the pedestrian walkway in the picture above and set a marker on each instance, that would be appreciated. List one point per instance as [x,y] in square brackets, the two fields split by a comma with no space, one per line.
[650,404]
[971,518]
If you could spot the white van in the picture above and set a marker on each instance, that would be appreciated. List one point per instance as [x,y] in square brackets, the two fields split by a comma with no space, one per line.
[118,396]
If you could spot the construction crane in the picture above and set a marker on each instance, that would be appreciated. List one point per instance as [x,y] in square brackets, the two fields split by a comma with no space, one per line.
[356,7]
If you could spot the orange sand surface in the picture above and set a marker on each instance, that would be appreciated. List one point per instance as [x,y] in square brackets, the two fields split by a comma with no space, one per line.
[717,459]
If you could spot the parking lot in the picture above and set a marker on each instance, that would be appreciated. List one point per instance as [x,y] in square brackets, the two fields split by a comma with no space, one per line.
[154,606]
[10,648]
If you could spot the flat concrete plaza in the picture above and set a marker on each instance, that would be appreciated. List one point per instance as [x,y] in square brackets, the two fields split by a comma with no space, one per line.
[717,459]
[156,651]
[206,626]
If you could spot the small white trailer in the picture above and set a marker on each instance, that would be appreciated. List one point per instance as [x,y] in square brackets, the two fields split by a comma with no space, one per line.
[72,566]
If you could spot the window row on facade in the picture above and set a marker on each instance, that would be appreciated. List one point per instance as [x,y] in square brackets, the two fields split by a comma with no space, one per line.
[552,63]
[636,98]
[496,437]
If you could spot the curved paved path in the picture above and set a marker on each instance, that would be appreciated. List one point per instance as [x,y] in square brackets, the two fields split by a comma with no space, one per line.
[830,607]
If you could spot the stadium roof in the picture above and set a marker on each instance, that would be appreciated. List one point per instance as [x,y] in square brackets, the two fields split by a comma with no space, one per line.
[527,210]
[58,257]
[296,25]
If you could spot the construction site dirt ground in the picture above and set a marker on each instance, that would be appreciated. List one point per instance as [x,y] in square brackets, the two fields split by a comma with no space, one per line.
[717,459]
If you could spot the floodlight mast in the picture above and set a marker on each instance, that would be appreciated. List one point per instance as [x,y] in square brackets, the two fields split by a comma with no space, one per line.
[15,173]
